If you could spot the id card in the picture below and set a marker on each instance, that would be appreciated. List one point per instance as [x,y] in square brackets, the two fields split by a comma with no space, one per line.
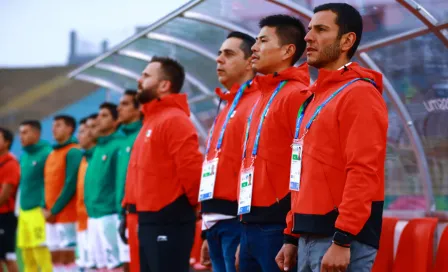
[246,185]
[208,178]
[296,165]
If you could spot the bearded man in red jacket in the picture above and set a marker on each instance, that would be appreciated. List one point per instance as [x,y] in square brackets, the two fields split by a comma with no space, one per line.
[165,169]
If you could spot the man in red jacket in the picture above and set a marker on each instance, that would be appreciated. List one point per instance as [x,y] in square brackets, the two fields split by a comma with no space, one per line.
[339,148]
[9,181]
[165,168]
[264,198]
[219,183]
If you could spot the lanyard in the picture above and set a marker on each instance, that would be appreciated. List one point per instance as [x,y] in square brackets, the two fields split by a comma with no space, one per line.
[235,102]
[260,125]
[301,112]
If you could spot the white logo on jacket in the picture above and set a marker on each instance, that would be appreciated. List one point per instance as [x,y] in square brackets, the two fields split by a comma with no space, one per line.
[148,133]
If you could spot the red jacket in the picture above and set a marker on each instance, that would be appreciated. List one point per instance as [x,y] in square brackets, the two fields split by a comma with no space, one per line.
[9,174]
[130,188]
[226,184]
[270,196]
[342,182]
[165,164]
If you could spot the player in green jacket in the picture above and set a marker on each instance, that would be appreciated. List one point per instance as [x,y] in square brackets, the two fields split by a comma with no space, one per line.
[100,190]
[129,117]
[31,230]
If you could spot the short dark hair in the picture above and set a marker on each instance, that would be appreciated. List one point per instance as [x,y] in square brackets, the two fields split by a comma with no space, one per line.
[289,30]
[83,121]
[68,120]
[8,136]
[172,71]
[133,93]
[32,123]
[247,42]
[112,108]
[92,116]
[348,19]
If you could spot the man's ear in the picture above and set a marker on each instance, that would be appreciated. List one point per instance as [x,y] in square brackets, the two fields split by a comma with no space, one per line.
[164,86]
[290,50]
[347,41]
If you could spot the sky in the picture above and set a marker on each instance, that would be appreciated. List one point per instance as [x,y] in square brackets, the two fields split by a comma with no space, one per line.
[35,33]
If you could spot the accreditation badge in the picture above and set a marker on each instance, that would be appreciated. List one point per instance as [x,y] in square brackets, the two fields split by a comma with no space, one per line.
[208,178]
[296,165]
[246,185]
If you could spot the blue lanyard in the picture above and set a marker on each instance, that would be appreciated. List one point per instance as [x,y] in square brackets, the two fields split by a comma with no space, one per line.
[260,125]
[301,112]
[235,102]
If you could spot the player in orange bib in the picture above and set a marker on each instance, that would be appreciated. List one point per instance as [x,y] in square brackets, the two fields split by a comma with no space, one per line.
[60,173]
[87,143]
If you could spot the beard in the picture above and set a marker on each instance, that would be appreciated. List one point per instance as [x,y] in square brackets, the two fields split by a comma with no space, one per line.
[146,95]
[329,54]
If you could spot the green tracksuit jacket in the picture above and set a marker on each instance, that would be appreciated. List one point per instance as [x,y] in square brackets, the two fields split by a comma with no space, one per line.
[124,153]
[32,164]
[101,175]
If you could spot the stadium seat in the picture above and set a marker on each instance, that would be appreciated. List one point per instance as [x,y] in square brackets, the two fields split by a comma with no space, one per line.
[385,257]
[416,246]
[441,263]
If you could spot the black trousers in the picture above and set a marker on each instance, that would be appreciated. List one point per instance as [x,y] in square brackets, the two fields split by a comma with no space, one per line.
[166,248]
[8,227]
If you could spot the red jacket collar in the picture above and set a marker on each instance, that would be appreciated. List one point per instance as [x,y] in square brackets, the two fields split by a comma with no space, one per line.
[230,94]
[6,156]
[328,78]
[172,100]
[267,83]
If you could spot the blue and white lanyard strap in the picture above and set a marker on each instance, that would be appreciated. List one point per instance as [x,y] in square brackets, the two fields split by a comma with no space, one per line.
[260,125]
[302,109]
[235,102]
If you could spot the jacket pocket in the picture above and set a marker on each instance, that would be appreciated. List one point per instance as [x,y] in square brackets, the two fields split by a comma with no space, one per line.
[316,195]
[271,185]
[326,155]
[227,181]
